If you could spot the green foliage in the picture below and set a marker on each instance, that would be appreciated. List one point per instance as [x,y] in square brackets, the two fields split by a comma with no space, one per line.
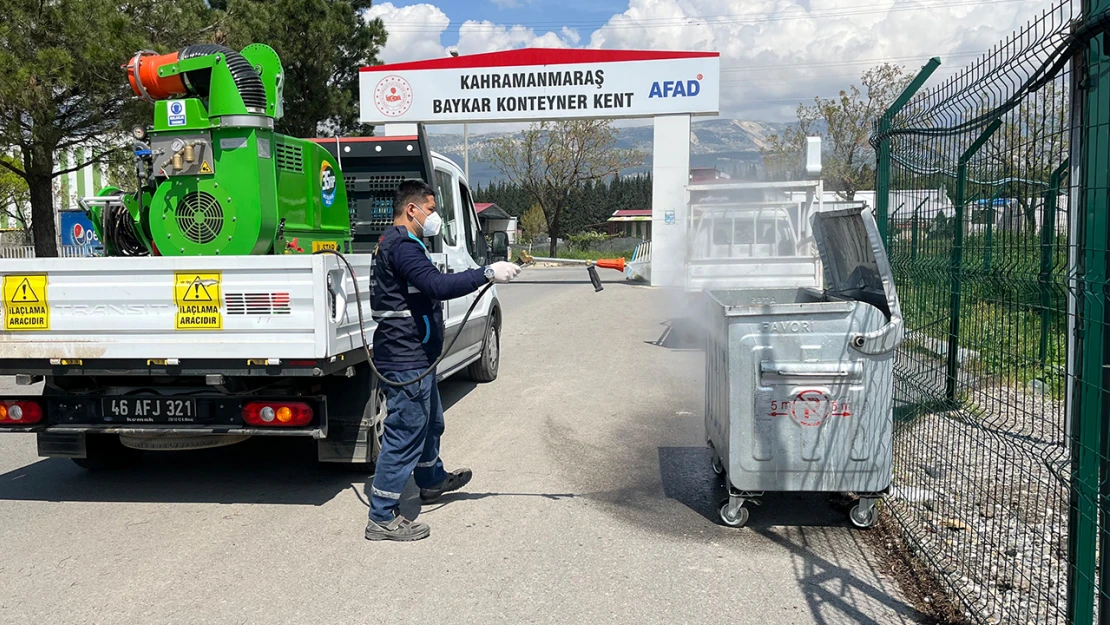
[589,205]
[550,160]
[586,239]
[591,254]
[844,123]
[61,84]
[1003,303]
[533,223]
[14,197]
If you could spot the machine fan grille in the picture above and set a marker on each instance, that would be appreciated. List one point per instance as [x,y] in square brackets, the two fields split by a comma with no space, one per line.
[200,217]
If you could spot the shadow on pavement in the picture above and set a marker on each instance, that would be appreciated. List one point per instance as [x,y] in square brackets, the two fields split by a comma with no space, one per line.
[273,471]
[454,389]
[834,594]
[680,334]
[689,479]
[259,470]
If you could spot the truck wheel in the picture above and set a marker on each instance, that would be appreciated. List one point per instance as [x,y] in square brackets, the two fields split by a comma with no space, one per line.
[485,368]
[105,452]
[376,412]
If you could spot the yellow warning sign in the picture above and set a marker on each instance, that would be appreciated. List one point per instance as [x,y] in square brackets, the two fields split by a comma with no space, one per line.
[198,301]
[205,168]
[25,304]
[324,245]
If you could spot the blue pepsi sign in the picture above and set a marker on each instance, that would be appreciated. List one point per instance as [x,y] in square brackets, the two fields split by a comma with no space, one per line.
[76,230]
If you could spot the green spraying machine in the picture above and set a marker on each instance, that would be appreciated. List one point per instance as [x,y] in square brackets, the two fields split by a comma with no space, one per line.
[213,176]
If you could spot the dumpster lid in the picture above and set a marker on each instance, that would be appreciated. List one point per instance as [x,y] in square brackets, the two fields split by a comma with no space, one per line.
[854,258]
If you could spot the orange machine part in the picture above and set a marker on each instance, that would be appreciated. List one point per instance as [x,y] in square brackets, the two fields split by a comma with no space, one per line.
[611,263]
[146,77]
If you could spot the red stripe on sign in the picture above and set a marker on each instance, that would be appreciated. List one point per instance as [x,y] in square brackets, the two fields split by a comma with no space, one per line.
[541,56]
[362,139]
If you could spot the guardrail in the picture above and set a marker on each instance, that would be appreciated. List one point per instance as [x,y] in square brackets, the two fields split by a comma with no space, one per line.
[65,251]
[639,267]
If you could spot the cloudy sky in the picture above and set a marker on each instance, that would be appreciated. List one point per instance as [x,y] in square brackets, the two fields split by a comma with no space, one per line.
[774,53]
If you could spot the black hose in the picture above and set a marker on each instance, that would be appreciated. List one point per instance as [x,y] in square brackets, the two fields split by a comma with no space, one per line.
[362,326]
[246,79]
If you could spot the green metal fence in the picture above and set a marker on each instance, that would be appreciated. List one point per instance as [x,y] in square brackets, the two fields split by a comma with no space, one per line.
[994,199]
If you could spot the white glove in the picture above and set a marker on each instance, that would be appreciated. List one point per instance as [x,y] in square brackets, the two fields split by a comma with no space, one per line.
[504,271]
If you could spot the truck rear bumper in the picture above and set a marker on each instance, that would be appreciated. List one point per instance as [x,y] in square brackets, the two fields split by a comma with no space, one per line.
[145,414]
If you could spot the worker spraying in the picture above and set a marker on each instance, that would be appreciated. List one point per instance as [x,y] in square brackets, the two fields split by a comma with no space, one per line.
[407,301]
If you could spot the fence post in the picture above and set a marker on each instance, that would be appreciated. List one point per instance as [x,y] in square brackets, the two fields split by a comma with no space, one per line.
[913,231]
[882,174]
[1090,354]
[1048,240]
[990,230]
[955,266]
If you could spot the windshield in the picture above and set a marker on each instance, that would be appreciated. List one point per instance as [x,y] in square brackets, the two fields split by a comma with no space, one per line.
[744,234]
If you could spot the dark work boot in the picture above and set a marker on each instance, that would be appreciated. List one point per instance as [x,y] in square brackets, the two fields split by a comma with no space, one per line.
[455,481]
[400,529]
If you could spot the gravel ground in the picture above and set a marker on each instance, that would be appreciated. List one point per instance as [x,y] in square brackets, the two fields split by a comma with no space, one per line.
[984,493]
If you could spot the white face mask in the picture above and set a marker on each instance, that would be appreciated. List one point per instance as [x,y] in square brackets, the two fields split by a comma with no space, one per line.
[432,224]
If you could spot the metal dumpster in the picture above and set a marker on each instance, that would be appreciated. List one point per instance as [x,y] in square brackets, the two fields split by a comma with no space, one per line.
[799,381]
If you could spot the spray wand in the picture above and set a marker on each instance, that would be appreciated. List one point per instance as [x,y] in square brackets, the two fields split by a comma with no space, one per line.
[591,265]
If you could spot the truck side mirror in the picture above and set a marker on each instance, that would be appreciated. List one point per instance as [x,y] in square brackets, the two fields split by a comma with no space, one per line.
[499,246]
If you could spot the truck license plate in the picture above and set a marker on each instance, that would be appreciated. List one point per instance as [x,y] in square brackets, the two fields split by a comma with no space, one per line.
[150,410]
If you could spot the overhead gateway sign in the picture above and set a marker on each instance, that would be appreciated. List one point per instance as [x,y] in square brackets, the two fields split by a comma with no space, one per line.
[541,83]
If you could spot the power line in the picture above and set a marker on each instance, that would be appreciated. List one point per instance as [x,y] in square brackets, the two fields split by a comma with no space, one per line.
[657,23]
[889,59]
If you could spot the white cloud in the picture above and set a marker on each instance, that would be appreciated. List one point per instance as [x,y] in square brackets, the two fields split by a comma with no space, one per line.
[777,53]
[414,31]
[476,37]
[774,53]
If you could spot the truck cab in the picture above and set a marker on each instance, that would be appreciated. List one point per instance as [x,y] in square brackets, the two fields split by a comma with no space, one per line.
[286,352]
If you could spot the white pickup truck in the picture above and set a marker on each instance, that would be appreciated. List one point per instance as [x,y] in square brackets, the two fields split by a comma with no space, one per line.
[284,355]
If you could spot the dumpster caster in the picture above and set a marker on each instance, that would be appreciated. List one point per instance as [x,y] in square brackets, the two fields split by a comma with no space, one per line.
[864,514]
[718,468]
[733,514]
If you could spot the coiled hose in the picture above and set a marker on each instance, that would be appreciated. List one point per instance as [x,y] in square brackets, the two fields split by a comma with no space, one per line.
[246,79]
[362,326]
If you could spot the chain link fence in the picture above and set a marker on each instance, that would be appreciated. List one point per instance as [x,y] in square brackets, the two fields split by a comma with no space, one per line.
[993,196]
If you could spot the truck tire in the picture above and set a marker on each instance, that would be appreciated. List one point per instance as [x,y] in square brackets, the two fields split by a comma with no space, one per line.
[105,452]
[376,412]
[485,368]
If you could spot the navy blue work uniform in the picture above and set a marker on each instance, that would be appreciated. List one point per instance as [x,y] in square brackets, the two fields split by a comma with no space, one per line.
[407,301]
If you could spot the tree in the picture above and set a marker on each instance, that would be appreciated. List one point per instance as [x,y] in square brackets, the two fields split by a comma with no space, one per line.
[61,85]
[1031,143]
[14,196]
[322,44]
[552,159]
[845,125]
[533,223]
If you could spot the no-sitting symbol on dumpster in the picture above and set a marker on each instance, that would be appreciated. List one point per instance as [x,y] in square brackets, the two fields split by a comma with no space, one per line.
[810,408]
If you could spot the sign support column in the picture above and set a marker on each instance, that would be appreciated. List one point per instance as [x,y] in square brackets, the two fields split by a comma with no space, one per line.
[670,174]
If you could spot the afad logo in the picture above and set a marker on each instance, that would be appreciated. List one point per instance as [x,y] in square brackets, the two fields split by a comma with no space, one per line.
[393,96]
[327,184]
[675,88]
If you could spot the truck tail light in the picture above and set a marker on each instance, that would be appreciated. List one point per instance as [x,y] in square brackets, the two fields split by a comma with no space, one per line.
[279,414]
[20,412]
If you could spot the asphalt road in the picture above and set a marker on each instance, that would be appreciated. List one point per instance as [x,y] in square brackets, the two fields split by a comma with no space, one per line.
[593,502]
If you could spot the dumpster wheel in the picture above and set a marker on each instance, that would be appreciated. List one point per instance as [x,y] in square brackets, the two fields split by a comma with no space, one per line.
[864,514]
[718,467]
[733,514]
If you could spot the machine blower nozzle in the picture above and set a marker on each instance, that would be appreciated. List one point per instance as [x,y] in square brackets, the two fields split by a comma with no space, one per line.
[591,265]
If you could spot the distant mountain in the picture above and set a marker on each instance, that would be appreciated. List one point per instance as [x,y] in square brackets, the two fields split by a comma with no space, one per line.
[730,145]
